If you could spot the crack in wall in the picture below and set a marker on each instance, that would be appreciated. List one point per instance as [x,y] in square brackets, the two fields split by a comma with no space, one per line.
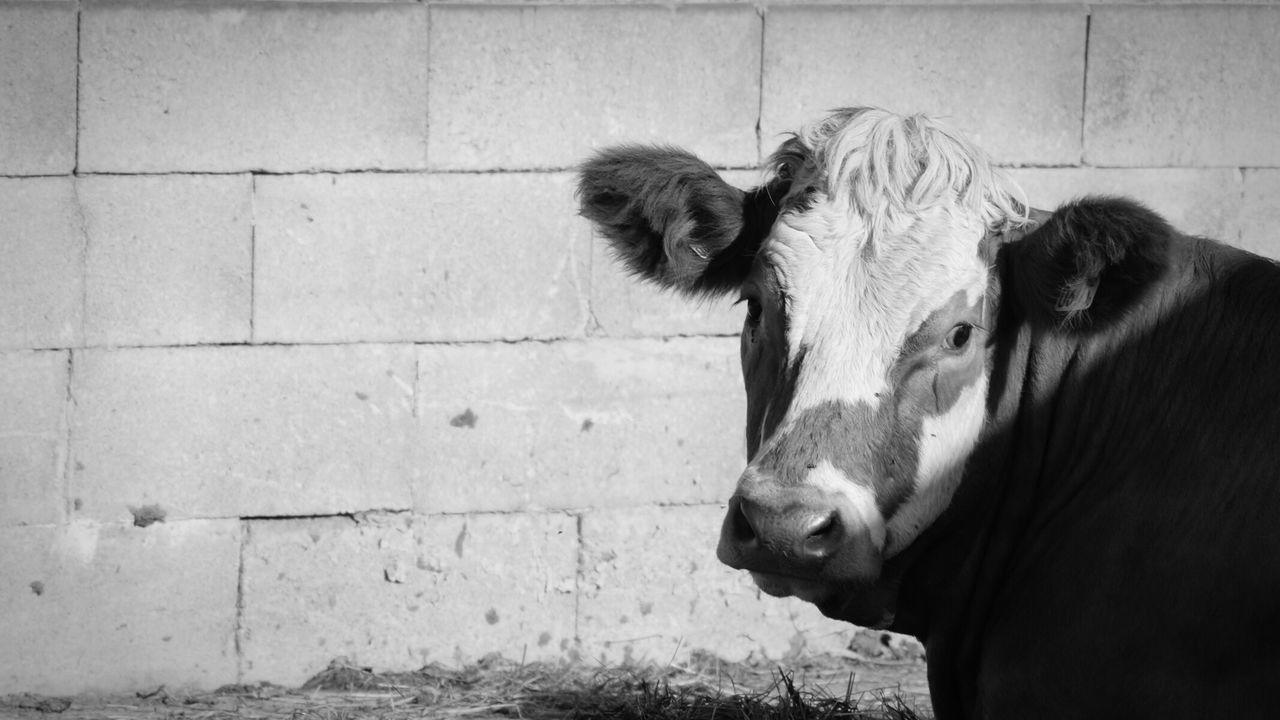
[355,516]
[66,462]
[1084,87]
[82,228]
[253,257]
[488,342]
[264,172]
[75,166]
[1242,214]
[245,530]
[259,172]
[764,18]
[579,570]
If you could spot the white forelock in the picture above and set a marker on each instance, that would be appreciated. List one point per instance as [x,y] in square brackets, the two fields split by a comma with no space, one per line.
[890,168]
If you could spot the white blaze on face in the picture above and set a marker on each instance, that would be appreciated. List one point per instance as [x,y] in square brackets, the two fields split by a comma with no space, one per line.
[817,270]
[946,442]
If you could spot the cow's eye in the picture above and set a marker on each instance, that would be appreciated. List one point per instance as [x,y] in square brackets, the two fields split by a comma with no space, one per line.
[958,337]
[753,312]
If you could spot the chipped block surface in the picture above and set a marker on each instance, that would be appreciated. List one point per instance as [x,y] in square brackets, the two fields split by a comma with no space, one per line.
[539,87]
[418,257]
[1183,86]
[169,259]
[33,437]
[623,305]
[41,275]
[1011,78]
[1196,201]
[397,592]
[277,87]
[37,88]
[572,425]
[241,431]
[653,590]
[114,607]
[1261,223]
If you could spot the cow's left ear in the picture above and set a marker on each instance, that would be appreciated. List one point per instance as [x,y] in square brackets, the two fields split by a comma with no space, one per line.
[1088,261]
[671,219]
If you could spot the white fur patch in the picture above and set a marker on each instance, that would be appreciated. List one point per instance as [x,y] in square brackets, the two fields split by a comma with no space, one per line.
[861,499]
[946,442]
[816,264]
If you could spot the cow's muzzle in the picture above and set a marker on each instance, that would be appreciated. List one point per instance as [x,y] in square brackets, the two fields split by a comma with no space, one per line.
[792,537]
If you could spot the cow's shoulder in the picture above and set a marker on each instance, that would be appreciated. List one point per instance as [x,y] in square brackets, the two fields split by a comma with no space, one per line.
[1088,261]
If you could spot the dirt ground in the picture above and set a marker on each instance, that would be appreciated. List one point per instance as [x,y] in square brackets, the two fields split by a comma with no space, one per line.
[872,687]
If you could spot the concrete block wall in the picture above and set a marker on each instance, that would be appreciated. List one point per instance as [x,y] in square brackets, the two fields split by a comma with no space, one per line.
[305,354]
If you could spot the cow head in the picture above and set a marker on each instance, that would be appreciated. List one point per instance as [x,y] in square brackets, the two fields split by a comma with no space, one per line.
[863,264]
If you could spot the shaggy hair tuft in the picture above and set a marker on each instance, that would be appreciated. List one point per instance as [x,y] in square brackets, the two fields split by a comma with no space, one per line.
[891,169]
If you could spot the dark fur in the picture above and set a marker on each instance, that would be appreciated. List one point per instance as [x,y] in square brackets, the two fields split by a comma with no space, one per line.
[1088,261]
[670,218]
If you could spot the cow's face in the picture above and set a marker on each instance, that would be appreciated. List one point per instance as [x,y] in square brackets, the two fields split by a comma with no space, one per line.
[865,283]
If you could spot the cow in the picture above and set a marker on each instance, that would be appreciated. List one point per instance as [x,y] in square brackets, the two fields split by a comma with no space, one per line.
[1047,444]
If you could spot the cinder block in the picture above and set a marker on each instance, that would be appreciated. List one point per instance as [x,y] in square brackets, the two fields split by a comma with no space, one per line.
[625,306]
[653,590]
[277,87]
[578,424]
[116,608]
[33,437]
[170,259]
[396,592]
[37,88]
[418,257]
[1010,77]
[1261,224]
[1176,86]
[539,87]
[241,431]
[42,273]
[1200,202]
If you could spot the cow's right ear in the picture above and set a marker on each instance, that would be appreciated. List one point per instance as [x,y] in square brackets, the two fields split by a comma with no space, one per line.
[1089,261]
[671,219]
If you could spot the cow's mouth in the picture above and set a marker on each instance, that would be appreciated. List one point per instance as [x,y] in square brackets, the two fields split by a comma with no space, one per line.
[817,592]
[856,602]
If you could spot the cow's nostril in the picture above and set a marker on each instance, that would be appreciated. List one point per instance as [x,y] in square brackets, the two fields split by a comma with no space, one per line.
[744,531]
[823,536]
